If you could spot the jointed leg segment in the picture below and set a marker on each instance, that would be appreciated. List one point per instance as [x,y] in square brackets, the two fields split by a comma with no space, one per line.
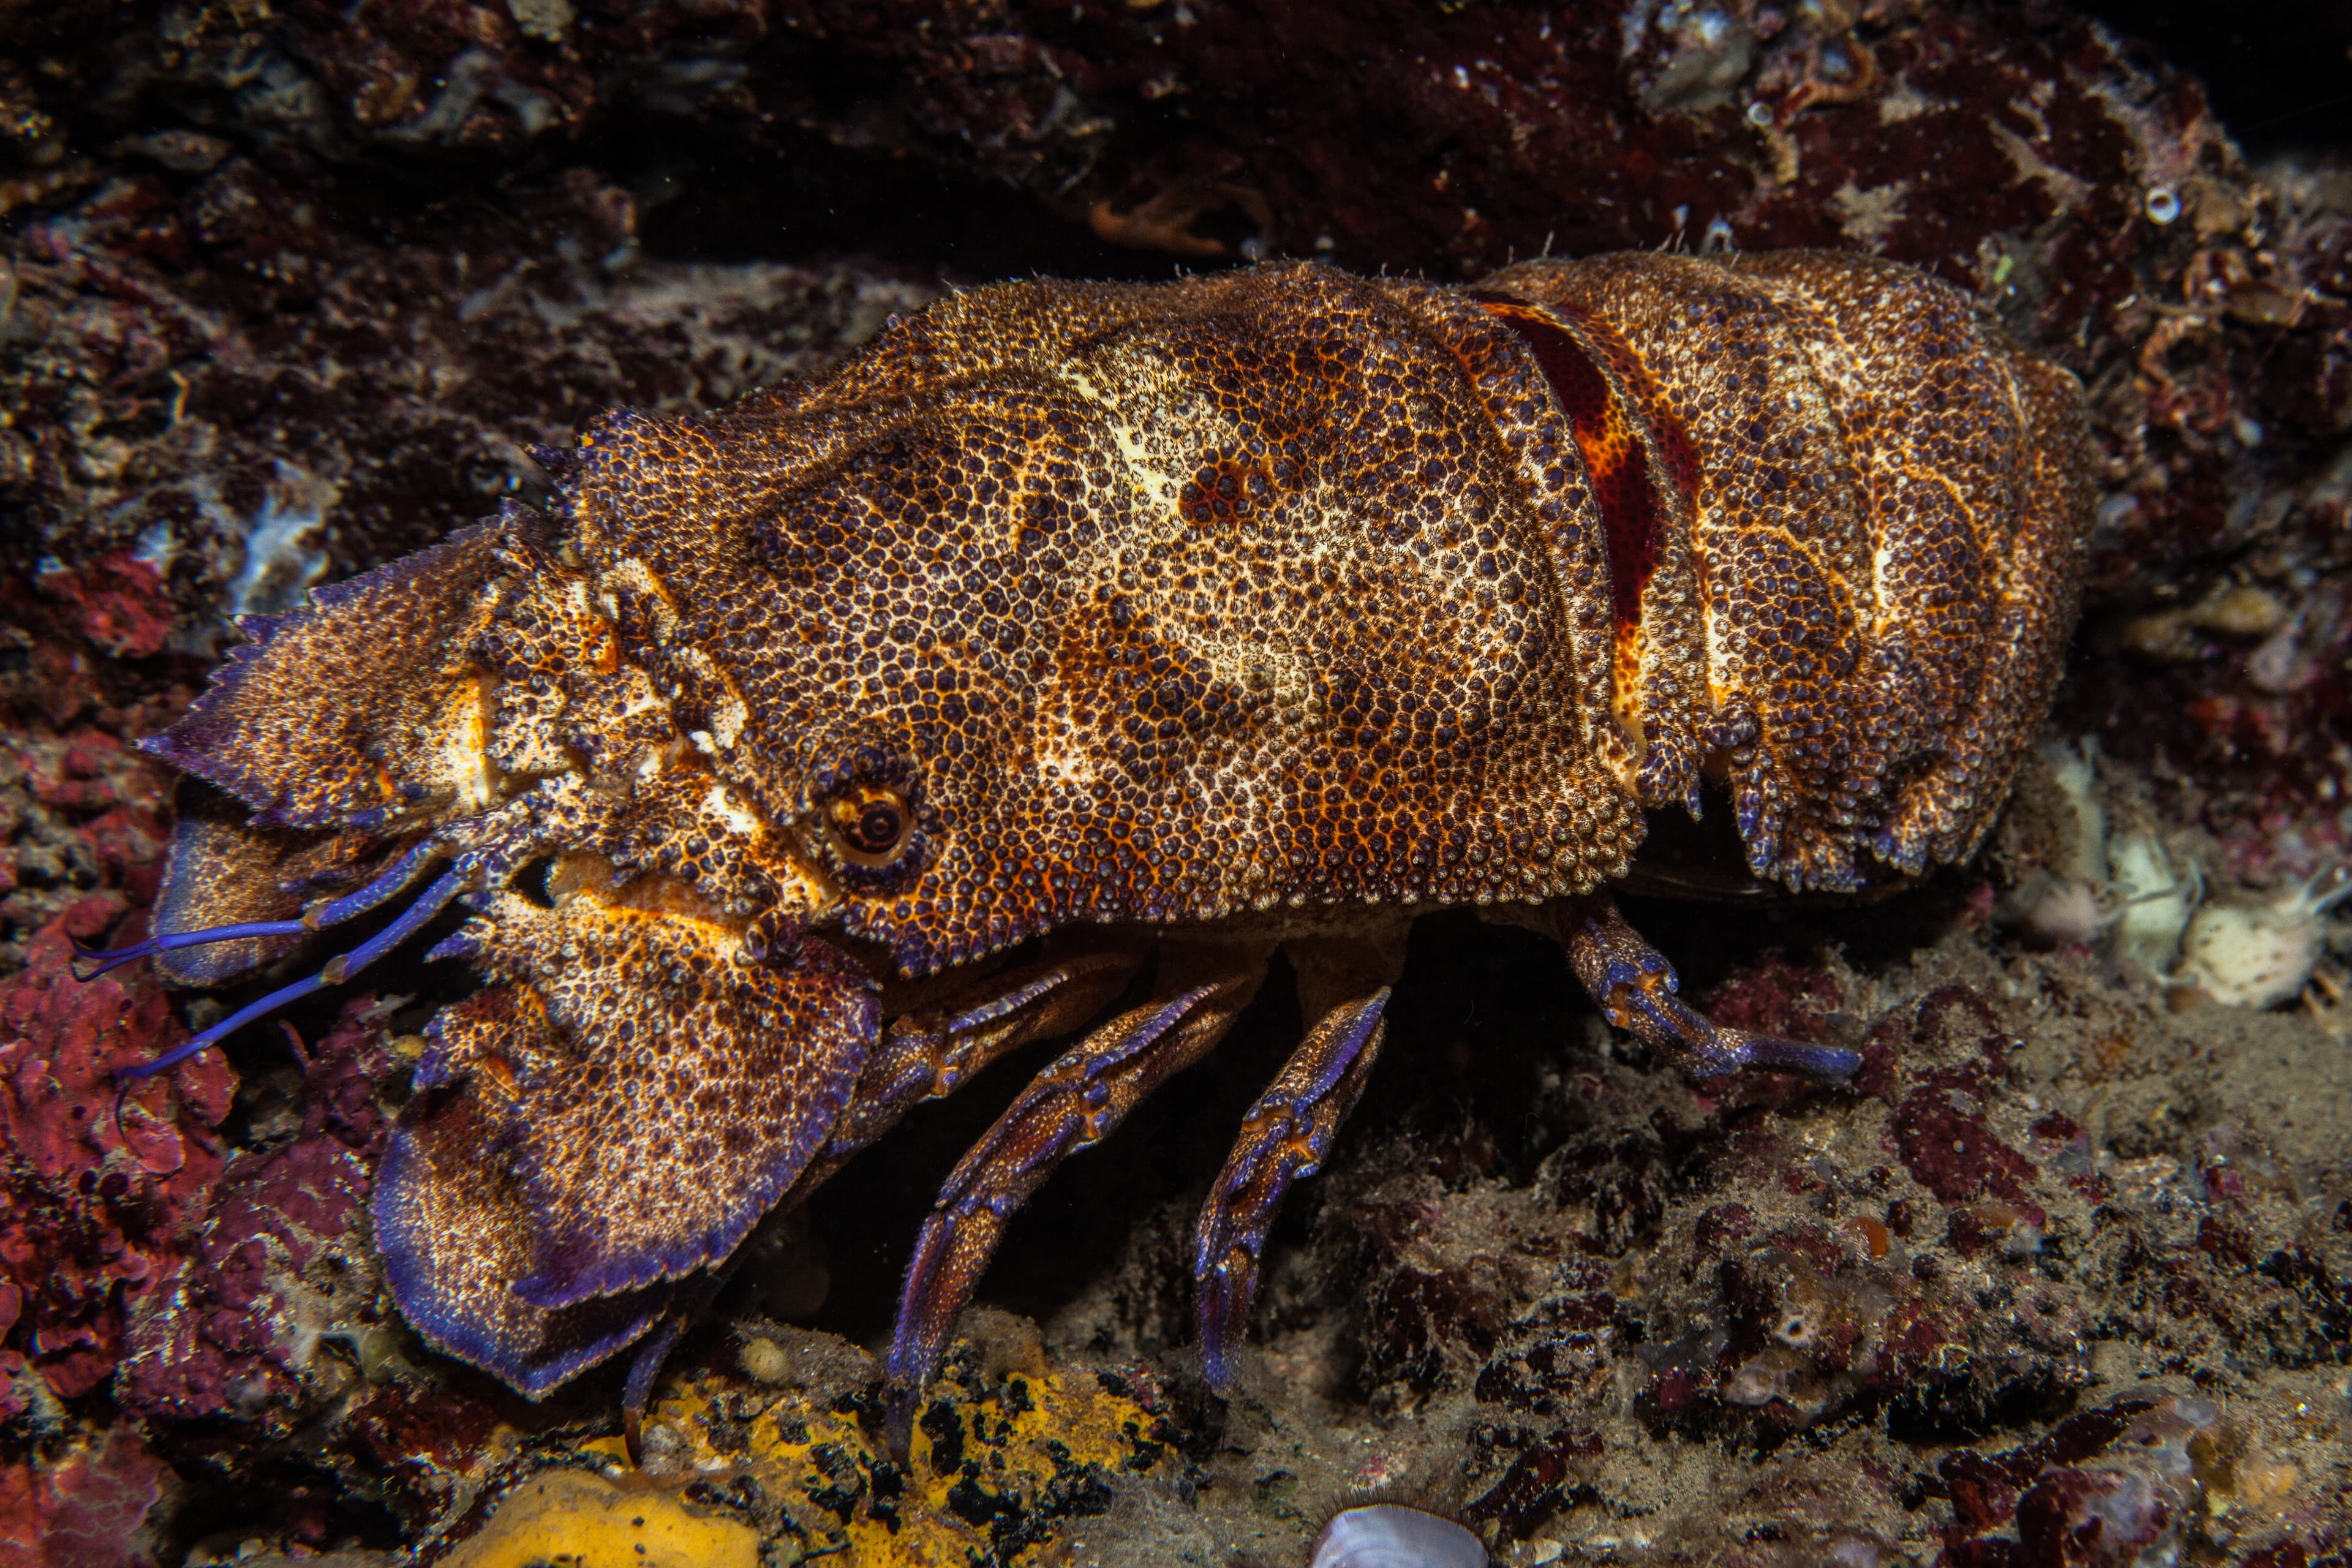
[1343,987]
[935,1051]
[1289,1132]
[1286,1136]
[1074,1103]
[1635,988]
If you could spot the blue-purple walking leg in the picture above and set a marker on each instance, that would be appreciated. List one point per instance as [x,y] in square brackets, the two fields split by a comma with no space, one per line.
[1635,988]
[1286,1136]
[1073,1104]
[936,1051]
[1343,985]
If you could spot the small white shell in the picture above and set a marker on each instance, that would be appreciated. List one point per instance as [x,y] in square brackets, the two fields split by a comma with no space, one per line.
[2263,955]
[2059,910]
[2154,901]
[2075,769]
[2059,903]
[1388,1535]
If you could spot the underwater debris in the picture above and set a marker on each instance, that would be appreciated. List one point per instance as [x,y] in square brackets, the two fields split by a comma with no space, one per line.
[2061,902]
[2154,901]
[236,1333]
[283,557]
[94,1209]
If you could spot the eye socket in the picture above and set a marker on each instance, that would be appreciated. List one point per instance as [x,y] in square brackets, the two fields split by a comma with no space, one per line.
[871,824]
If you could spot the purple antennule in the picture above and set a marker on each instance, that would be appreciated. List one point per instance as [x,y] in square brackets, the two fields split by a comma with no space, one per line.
[338,969]
[89,962]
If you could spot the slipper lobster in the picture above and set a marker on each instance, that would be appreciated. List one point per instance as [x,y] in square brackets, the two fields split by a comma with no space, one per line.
[1075,642]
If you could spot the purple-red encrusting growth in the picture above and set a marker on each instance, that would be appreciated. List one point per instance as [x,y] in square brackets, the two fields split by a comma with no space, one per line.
[233,1330]
[97,1207]
[92,1506]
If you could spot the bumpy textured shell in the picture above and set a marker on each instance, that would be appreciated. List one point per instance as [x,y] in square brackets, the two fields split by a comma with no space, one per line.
[1290,588]
[1236,604]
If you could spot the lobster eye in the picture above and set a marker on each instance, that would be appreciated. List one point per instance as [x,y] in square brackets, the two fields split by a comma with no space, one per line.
[878,826]
[872,824]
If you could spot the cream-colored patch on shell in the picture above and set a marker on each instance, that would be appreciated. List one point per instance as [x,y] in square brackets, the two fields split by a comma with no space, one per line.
[462,751]
[726,721]
[2261,955]
[642,697]
[1146,382]
[730,713]
[801,887]
[1720,687]
[1057,752]
[721,804]
[1059,757]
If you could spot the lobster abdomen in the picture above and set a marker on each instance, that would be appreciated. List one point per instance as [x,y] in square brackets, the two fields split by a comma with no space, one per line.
[1845,529]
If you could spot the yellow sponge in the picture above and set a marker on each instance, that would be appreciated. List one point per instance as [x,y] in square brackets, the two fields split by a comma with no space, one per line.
[583,1520]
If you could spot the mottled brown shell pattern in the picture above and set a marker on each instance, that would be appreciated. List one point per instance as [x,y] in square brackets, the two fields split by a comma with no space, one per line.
[1288,588]
[1171,624]
[1877,511]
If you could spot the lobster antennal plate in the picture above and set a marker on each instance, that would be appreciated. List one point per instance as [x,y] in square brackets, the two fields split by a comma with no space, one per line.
[616,1114]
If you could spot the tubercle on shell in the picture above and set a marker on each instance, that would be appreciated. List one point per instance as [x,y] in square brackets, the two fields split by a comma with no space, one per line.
[1252,612]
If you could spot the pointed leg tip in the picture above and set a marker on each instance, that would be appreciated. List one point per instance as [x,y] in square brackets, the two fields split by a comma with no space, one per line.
[907,1368]
[1217,1369]
[1832,1064]
[1837,1063]
[899,1401]
[1220,1322]
[633,1436]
